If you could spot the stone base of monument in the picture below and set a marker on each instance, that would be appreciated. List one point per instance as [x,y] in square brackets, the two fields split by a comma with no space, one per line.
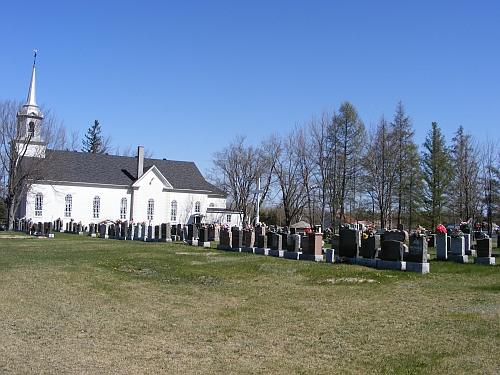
[391,265]
[192,242]
[459,258]
[292,255]
[330,255]
[50,235]
[276,253]
[223,247]
[235,249]
[418,267]
[485,260]
[204,244]
[314,258]
[346,260]
[367,262]
[247,249]
[470,252]
[261,251]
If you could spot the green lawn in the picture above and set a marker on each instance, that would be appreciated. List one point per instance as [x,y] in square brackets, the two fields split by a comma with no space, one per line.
[74,305]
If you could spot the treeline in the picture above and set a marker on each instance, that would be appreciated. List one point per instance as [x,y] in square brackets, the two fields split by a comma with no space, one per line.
[333,169]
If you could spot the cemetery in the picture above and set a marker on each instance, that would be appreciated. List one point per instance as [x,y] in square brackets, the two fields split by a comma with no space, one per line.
[395,249]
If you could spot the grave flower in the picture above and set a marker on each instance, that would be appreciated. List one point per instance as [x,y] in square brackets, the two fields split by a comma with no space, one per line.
[441,228]
[456,233]
[419,232]
[368,232]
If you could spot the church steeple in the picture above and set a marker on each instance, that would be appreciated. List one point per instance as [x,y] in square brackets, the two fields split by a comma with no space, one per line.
[29,121]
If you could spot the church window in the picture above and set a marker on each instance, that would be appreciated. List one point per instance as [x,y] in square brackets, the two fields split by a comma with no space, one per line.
[31,129]
[68,205]
[151,209]
[228,218]
[173,211]
[96,207]
[197,207]
[123,209]
[38,204]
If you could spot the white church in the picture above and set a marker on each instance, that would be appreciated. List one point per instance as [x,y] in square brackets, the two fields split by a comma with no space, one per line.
[93,188]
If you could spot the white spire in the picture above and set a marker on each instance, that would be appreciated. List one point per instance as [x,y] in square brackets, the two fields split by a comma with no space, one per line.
[32,92]
[31,108]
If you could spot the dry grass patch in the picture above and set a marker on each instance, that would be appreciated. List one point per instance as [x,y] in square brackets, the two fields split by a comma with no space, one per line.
[75,305]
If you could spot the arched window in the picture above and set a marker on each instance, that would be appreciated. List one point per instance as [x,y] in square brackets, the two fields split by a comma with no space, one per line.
[173,211]
[228,218]
[68,205]
[151,209]
[31,129]
[38,204]
[197,207]
[96,207]
[123,208]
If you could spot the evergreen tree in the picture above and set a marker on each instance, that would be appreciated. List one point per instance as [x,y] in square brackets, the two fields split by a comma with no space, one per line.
[437,175]
[93,140]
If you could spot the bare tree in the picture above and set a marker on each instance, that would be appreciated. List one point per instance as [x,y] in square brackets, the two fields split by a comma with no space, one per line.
[345,137]
[236,169]
[321,157]
[465,158]
[490,178]
[407,161]
[380,169]
[288,172]
[22,152]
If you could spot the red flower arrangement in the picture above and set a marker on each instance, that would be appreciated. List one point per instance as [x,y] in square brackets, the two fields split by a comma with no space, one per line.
[441,229]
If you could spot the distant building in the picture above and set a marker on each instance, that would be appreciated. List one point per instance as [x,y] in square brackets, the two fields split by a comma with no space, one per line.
[91,188]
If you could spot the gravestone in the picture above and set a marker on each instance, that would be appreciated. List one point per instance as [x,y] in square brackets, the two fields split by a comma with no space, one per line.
[335,240]
[484,247]
[369,247]
[484,252]
[249,237]
[457,246]
[392,250]
[431,240]
[457,250]
[262,241]
[157,232]
[124,230]
[103,231]
[418,249]
[225,242]
[150,233]
[192,232]
[274,241]
[396,235]
[349,243]
[293,244]
[237,238]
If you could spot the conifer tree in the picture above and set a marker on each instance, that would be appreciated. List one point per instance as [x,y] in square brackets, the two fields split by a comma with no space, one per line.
[93,140]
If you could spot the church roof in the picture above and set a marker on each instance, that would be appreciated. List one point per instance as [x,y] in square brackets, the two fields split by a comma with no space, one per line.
[85,167]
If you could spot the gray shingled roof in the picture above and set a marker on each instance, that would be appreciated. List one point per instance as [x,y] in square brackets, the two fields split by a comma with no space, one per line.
[72,166]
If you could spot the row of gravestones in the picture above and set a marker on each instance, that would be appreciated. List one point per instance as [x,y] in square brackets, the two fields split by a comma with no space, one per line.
[457,249]
[394,254]
[34,228]
[283,245]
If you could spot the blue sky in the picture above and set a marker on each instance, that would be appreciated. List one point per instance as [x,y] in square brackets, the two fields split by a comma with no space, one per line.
[182,78]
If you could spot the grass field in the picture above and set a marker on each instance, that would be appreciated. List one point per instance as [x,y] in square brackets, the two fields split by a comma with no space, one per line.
[79,305]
